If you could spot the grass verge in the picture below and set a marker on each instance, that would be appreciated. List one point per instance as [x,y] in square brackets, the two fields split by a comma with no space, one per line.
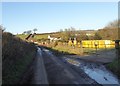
[114,67]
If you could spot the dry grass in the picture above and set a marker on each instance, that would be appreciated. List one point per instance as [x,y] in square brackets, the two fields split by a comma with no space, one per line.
[68,49]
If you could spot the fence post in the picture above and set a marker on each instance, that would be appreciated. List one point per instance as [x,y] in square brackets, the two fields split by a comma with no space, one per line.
[117,48]
[105,47]
[96,48]
[95,43]
[81,48]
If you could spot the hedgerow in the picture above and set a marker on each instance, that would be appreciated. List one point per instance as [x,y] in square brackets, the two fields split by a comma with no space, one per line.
[16,56]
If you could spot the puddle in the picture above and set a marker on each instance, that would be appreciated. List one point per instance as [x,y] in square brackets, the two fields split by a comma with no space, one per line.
[76,63]
[101,76]
[46,50]
[96,71]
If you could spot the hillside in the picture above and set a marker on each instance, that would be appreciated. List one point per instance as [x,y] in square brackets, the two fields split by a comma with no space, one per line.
[17,55]
[100,34]
[108,33]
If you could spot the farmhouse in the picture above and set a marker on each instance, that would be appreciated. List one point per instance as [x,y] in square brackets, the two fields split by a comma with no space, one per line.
[53,38]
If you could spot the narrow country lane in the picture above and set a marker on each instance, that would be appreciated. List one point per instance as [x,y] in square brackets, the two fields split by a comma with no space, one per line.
[60,73]
[68,70]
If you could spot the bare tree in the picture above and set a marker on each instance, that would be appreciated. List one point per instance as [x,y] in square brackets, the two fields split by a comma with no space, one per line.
[28,32]
[113,24]
[2,28]
[35,29]
[24,32]
[110,31]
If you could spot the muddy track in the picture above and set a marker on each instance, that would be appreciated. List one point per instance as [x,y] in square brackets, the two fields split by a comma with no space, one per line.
[59,72]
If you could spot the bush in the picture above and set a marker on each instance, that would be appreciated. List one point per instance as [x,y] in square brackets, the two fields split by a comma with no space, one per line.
[114,67]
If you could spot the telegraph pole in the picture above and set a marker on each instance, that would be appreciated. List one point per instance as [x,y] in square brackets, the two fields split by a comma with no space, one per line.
[117,41]
[81,48]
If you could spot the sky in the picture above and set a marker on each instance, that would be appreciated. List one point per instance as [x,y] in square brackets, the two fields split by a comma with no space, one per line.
[18,17]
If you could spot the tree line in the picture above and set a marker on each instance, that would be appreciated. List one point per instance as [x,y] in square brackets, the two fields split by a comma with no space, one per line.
[30,31]
[109,32]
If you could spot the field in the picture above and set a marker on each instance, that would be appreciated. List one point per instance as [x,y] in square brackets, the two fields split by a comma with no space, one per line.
[78,50]
[36,37]
[22,36]
[70,48]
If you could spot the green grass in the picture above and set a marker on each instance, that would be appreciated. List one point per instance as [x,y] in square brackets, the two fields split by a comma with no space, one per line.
[93,50]
[72,50]
[22,36]
[114,67]
[76,50]
[67,49]
[42,36]
[36,37]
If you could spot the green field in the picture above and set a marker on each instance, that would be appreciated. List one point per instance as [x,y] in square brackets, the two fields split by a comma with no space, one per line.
[22,36]
[36,37]
[77,50]
[42,36]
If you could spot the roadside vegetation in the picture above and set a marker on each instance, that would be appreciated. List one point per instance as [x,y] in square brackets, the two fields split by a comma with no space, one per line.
[17,55]
[114,67]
